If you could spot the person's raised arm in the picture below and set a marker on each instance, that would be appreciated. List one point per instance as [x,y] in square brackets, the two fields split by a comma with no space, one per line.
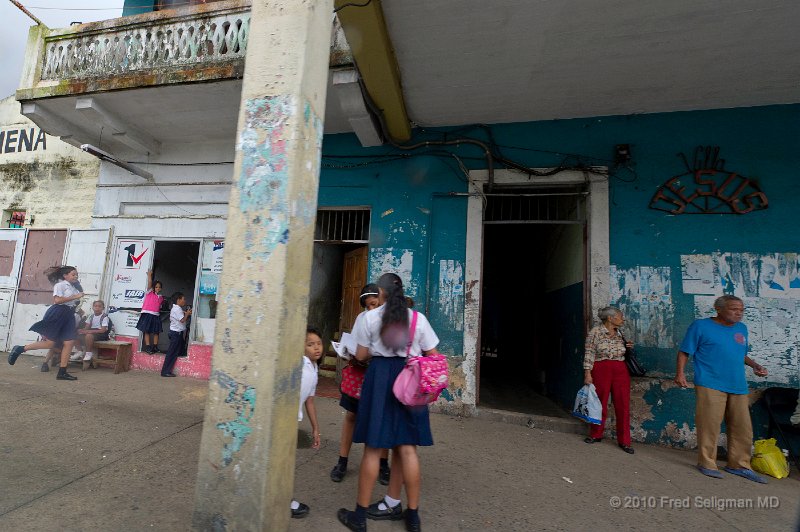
[149,279]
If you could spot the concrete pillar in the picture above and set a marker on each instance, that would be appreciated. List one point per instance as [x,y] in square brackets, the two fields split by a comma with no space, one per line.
[246,467]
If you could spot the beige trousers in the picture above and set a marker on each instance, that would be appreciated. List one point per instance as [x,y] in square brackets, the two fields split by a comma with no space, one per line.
[712,408]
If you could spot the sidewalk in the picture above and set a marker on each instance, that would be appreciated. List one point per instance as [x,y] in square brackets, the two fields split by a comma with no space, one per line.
[119,452]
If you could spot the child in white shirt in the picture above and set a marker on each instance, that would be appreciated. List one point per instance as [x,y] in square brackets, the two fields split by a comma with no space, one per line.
[177,328]
[94,330]
[308,387]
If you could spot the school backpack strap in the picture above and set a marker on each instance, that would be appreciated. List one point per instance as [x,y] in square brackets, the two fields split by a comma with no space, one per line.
[110,329]
[411,329]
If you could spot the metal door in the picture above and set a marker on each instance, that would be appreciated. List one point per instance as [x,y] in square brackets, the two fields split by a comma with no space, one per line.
[87,250]
[44,249]
[12,244]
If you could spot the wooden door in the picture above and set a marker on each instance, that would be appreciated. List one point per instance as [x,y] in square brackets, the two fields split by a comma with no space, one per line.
[353,279]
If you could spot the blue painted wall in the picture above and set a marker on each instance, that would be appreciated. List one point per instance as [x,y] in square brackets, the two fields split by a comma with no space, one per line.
[414,223]
[761,143]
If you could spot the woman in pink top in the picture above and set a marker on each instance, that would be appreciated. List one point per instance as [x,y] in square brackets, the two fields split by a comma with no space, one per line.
[150,320]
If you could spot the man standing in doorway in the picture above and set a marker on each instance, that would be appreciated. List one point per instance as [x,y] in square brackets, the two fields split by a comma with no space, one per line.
[718,347]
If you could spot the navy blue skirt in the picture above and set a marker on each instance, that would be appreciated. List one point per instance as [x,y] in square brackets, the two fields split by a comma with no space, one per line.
[382,421]
[149,323]
[58,324]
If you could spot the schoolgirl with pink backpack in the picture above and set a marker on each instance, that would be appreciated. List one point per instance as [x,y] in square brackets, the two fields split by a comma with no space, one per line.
[393,335]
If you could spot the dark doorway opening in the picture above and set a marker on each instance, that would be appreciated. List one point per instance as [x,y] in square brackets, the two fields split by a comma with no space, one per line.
[175,265]
[522,358]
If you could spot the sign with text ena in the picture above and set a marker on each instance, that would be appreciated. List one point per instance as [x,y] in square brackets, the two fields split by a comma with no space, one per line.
[131,261]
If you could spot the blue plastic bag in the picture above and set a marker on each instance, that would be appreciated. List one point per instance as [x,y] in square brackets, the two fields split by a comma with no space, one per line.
[588,406]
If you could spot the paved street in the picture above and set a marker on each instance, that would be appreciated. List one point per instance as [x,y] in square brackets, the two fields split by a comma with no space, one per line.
[119,452]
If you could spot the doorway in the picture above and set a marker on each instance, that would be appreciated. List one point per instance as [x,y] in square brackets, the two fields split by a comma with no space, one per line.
[175,265]
[529,307]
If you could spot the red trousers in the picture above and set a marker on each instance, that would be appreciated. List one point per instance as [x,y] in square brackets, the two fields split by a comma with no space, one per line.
[612,377]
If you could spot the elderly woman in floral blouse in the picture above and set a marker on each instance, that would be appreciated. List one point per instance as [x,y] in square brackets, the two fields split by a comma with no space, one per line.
[604,366]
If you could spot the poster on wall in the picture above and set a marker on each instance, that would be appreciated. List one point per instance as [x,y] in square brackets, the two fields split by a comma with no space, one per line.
[125,322]
[131,261]
[213,251]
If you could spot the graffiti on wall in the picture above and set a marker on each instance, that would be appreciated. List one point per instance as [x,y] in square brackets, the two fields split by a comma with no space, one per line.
[769,285]
[242,400]
[451,293]
[643,293]
[706,187]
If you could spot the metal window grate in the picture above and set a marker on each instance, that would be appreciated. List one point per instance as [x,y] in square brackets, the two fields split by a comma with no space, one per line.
[342,225]
[536,207]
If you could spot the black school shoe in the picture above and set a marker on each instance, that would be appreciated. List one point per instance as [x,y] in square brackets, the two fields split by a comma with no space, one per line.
[413,526]
[383,476]
[15,353]
[301,511]
[627,448]
[337,473]
[390,514]
[64,376]
[348,519]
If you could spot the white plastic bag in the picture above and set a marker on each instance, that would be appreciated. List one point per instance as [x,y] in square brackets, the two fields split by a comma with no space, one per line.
[588,406]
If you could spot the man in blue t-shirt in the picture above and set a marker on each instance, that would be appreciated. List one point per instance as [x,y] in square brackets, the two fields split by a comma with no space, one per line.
[718,348]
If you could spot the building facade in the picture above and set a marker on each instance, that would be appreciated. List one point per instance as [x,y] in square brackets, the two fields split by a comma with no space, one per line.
[508,236]
[47,198]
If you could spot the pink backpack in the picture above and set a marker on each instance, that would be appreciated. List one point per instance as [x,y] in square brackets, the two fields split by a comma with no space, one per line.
[423,378]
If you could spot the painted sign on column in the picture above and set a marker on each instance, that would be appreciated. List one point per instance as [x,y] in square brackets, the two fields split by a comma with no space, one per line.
[132,260]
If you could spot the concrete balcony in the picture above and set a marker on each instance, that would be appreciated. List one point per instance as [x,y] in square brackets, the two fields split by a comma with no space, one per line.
[134,83]
[202,43]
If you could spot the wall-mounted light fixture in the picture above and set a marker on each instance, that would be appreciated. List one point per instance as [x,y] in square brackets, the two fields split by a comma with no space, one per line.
[105,156]
[622,154]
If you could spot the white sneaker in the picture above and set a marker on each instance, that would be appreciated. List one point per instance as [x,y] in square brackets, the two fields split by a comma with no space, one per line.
[89,356]
[78,355]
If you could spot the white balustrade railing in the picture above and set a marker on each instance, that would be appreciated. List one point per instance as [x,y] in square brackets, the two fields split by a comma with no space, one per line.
[183,42]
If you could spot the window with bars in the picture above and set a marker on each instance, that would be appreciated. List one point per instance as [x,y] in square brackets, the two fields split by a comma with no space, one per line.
[543,206]
[342,225]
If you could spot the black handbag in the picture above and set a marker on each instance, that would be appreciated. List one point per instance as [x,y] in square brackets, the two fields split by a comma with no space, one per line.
[634,368]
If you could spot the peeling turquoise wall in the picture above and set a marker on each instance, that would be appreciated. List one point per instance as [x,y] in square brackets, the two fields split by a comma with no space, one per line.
[761,143]
[416,229]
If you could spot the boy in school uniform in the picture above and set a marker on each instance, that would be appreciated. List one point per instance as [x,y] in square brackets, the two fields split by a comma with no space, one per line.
[95,330]
[177,328]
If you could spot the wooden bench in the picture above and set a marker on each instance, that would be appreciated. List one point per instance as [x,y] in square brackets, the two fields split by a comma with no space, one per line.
[120,360]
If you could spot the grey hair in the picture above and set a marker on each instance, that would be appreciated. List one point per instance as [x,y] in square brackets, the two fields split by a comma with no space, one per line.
[606,313]
[722,301]
[770,267]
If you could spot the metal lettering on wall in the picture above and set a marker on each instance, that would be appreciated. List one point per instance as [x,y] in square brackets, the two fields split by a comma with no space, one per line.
[708,188]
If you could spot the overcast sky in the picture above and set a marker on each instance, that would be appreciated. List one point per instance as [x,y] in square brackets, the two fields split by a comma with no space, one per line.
[15,25]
